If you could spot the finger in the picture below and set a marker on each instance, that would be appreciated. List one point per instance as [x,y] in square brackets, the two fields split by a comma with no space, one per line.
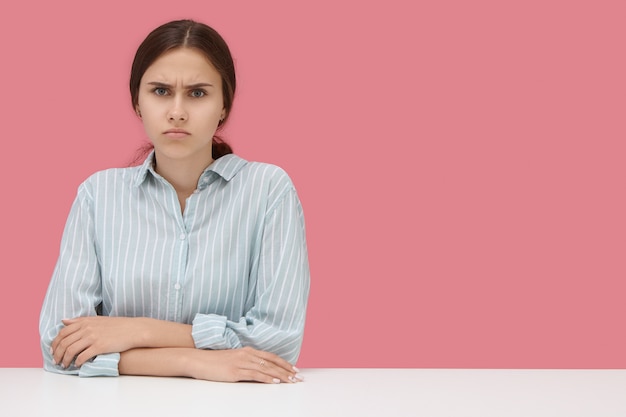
[275,371]
[278,361]
[271,364]
[70,326]
[73,350]
[61,343]
[258,376]
[84,356]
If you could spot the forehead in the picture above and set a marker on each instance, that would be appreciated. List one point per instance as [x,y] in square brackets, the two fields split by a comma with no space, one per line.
[182,64]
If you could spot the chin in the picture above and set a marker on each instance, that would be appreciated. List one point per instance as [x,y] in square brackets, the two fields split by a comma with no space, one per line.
[179,151]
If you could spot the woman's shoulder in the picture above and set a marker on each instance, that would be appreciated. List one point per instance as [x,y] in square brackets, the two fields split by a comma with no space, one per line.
[119,174]
[255,168]
[259,172]
[110,179]
[262,180]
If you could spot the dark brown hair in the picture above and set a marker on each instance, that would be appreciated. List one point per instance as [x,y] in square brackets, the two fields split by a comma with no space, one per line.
[188,34]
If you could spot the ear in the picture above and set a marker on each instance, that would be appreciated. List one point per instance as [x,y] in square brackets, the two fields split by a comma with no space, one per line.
[137,111]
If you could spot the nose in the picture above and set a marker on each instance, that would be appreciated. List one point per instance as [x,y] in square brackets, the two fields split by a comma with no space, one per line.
[177,112]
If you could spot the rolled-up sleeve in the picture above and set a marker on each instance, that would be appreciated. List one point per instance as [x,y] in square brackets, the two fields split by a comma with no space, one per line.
[275,323]
[75,289]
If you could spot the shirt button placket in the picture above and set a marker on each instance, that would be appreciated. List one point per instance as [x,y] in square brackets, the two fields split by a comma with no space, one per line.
[181,275]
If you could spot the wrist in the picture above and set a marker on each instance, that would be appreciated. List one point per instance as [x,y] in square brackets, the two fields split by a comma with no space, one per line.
[187,361]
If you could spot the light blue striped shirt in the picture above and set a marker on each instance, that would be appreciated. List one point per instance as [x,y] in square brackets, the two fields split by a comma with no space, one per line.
[234,265]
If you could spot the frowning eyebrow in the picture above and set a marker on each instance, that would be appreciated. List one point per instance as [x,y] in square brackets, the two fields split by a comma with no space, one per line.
[188,87]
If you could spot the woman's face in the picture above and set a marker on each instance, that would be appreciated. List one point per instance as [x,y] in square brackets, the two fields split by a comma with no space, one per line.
[180,103]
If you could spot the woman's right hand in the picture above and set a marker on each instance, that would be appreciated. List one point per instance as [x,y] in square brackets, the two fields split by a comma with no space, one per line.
[245,364]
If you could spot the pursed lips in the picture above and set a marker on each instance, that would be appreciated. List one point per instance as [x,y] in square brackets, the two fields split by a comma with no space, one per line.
[176,133]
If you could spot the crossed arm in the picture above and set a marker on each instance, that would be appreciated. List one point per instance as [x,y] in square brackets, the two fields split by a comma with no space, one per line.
[162,348]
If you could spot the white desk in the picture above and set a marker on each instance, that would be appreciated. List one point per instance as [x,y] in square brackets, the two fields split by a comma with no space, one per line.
[325,392]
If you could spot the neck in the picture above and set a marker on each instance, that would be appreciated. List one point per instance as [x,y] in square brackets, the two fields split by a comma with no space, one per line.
[182,174]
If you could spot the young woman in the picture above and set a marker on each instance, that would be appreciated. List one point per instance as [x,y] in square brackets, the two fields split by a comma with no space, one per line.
[193,263]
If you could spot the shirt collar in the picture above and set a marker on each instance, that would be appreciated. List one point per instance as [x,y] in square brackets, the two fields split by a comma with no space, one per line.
[226,167]
[142,170]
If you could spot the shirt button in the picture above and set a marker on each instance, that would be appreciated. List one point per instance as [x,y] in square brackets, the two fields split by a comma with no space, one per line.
[182,236]
[196,191]
[177,286]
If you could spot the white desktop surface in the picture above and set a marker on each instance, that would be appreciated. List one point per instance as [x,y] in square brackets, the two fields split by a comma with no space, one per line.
[26,392]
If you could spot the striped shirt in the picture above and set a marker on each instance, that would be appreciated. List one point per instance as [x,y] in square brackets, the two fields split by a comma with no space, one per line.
[234,265]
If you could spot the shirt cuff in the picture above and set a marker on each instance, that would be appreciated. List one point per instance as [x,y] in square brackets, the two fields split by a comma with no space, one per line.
[101,365]
[209,331]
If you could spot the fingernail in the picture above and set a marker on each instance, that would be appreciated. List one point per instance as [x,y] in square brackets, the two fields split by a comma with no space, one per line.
[276,381]
[295,369]
[299,377]
[292,379]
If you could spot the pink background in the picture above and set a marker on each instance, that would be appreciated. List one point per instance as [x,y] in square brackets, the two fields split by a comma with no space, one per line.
[460,163]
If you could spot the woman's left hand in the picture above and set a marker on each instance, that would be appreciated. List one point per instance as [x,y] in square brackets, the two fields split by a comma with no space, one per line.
[83,338]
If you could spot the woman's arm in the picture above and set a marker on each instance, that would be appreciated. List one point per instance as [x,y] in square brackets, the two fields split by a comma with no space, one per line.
[165,349]
[83,338]
[244,364]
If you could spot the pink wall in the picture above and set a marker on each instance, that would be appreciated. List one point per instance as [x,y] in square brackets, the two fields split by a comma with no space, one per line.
[461,165]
